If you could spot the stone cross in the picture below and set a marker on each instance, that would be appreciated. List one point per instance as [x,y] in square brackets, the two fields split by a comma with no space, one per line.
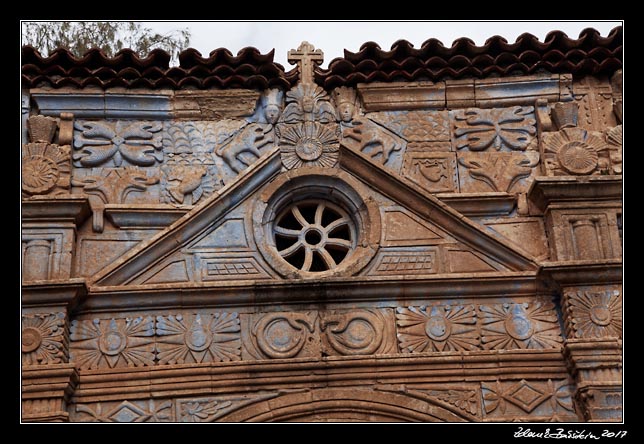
[306,57]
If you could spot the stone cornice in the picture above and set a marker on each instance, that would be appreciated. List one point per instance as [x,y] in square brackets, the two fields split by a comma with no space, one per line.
[72,208]
[66,292]
[392,290]
[545,191]
[481,93]
[586,272]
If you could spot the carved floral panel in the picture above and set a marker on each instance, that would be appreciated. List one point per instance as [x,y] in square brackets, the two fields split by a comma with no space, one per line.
[43,339]
[112,343]
[594,314]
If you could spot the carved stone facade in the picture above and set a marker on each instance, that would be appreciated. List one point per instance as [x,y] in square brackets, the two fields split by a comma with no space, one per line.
[380,251]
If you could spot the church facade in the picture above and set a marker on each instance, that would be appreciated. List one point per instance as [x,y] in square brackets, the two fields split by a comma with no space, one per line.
[428,234]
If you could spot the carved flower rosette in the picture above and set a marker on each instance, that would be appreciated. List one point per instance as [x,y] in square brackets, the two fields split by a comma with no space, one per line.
[111,343]
[574,151]
[520,326]
[437,328]
[198,338]
[309,144]
[42,339]
[45,168]
[595,314]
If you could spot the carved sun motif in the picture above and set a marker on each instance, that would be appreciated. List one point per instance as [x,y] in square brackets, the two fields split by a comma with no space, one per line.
[575,150]
[44,167]
[42,339]
[437,328]
[520,326]
[309,144]
[101,343]
[198,338]
[596,314]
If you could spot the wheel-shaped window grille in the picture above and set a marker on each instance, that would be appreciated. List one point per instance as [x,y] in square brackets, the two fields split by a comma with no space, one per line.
[314,236]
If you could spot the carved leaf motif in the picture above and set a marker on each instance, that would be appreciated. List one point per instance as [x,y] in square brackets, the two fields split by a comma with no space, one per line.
[463,399]
[479,129]
[201,410]
[499,171]
[136,142]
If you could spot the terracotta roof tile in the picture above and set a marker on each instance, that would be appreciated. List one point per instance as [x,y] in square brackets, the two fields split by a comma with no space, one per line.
[589,54]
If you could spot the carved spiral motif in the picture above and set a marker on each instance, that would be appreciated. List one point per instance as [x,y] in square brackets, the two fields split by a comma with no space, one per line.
[577,158]
[281,336]
[40,174]
[31,339]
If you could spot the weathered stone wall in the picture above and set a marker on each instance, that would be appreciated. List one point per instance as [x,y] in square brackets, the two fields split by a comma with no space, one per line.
[401,251]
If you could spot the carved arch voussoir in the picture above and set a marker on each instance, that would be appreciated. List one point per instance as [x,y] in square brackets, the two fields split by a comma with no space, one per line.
[343,405]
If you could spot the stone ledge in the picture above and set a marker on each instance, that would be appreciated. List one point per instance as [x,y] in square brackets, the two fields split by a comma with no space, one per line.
[133,216]
[66,208]
[366,290]
[585,272]
[480,204]
[545,191]
[66,292]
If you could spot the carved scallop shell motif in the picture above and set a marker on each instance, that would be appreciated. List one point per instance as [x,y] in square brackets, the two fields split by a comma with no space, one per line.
[44,166]
[576,150]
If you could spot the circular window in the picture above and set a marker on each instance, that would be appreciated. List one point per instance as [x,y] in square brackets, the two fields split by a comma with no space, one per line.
[314,235]
[316,222]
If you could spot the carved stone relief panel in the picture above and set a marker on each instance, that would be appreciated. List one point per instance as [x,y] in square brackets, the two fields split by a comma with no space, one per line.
[576,151]
[442,327]
[496,172]
[117,143]
[45,166]
[549,400]
[406,260]
[44,339]
[147,410]
[358,332]
[196,338]
[199,409]
[436,172]
[112,343]
[593,312]
[585,234]
[531,325]
[423,130]
[280,335]
[499,129]
[47,252]
[437,327]
[595,100]
[226,266]
[189,172]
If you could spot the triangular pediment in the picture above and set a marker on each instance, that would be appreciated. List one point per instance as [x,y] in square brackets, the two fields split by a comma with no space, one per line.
[399,230]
